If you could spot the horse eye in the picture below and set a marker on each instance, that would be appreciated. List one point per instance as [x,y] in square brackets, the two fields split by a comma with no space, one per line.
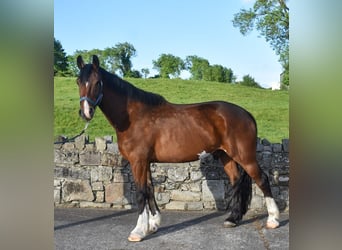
[98,84]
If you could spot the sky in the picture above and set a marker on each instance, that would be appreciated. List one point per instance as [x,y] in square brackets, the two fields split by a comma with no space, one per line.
[180,27]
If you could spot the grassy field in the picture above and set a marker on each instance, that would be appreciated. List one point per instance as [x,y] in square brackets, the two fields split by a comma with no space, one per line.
[270,108]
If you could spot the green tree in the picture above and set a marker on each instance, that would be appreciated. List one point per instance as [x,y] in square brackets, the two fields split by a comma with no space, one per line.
[228,75]
[197,66]
[221,74]
[200,69]
[217,73]
[271,19]
[145,72]
[119,58]
[134,73]
[111,60]
[249,81]
[73,65]
[87,57]
[60,59]
[168,64]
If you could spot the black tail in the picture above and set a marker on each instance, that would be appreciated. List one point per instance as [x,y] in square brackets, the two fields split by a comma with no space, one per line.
[240,197]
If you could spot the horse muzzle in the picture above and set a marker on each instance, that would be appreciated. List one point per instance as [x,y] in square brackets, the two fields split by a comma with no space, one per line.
[87,113]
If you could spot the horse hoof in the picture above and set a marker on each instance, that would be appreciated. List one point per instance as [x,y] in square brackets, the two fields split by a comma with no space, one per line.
[134,238]
[272,224]
[228,224]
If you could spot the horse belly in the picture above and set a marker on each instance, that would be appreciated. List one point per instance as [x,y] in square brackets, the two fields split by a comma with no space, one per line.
[183,145]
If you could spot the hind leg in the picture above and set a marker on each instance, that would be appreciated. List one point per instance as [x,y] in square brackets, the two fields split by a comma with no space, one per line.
[261,179]
[240,194]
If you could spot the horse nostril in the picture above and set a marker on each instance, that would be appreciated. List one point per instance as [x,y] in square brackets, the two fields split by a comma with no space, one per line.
[91,111]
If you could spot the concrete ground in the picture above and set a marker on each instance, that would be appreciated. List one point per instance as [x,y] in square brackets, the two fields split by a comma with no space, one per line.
[77,228]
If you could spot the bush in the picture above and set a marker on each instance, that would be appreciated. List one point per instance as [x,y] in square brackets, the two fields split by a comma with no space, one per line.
[249,81]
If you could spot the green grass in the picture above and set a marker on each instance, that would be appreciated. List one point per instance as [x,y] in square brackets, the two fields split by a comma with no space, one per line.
[270,108]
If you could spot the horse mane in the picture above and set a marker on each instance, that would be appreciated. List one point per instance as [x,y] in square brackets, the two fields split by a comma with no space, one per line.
[125,88]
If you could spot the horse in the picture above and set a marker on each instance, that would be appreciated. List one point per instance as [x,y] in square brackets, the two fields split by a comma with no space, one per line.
[151,129]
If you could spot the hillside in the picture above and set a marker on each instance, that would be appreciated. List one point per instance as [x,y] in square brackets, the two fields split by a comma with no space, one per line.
[270,108]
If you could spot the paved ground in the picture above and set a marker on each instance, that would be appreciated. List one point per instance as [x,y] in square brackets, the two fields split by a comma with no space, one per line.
[108,229]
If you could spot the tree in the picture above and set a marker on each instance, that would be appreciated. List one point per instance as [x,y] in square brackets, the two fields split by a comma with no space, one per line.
[134,73]
[200,69]
[145,72]
[249,81]
[228,75]
[197,67]
[271,19]
[111,59]
[73,65]
[221,74]
[119,57]
[87,57]
[217,74]
[168,64]
[60,59]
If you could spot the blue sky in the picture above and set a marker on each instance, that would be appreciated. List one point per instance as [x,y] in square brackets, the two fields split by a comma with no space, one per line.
[190,27]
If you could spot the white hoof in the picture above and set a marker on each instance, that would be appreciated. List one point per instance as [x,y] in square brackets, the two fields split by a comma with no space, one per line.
[135,238]
[147,224]
[228,224]
[273,212]
[272,223]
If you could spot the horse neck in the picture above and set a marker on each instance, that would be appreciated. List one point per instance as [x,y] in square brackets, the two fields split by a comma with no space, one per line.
[114,105]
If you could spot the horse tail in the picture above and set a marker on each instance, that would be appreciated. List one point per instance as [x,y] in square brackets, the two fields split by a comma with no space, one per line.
[240,197]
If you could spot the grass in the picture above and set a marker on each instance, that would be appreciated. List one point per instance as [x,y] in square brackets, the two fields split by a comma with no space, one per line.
[270,108]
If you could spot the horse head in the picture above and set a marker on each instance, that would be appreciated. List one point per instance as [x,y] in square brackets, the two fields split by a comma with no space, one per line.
[90,86]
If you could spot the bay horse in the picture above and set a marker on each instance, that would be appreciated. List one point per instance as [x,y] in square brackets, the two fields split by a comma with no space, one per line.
[151,129]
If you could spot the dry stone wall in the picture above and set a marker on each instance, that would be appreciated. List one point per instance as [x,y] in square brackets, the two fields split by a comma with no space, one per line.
[94,174]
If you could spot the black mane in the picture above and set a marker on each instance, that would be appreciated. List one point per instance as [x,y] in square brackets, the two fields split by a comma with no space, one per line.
[125,88]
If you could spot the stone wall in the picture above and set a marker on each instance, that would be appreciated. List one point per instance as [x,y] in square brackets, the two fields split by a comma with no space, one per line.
[96,175]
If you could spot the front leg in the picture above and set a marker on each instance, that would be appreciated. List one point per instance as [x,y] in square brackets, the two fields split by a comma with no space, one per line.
[149,215]
[141,230]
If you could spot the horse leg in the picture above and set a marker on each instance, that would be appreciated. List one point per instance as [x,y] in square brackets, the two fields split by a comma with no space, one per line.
[149,216]
[154,213]
[261,179]
[241,192]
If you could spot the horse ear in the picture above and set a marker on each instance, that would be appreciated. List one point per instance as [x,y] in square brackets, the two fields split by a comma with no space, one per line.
[80,63]
[96,63]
